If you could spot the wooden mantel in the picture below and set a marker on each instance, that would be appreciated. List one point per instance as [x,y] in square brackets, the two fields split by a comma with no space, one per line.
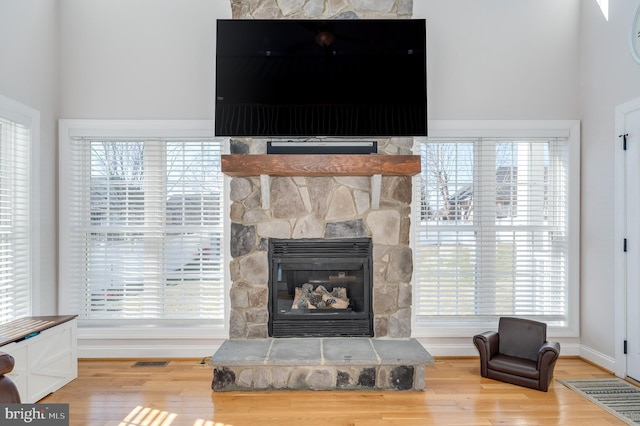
[320,165]
[266,165]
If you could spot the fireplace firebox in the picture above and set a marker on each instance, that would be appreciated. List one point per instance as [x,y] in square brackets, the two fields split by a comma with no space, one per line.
[320,287]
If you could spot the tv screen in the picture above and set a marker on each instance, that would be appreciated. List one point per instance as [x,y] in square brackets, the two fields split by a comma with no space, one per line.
[314,78]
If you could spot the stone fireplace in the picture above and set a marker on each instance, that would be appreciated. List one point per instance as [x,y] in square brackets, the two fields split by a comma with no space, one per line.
[320,207]
[327,207]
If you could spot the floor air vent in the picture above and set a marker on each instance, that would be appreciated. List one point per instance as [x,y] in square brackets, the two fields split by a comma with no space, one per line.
[151,364]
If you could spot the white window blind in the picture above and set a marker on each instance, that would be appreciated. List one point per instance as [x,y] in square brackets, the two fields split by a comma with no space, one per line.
[146,221]
[15,193]
[492,234]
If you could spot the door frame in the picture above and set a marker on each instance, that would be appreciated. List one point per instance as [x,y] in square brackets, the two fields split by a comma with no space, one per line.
[620,232]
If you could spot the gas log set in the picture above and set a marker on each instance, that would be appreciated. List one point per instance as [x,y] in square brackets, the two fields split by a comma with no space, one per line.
[306,297]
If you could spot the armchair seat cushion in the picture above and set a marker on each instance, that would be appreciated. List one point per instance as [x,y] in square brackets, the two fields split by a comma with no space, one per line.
[514,365]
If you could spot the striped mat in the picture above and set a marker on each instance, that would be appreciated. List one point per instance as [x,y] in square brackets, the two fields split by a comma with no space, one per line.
[620,398]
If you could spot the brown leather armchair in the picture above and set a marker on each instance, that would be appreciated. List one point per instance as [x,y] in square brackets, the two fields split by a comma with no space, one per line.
[8,391]
[518,353]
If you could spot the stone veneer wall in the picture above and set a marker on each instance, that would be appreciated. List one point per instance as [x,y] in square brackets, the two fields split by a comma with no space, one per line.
[321,207]
[320,9]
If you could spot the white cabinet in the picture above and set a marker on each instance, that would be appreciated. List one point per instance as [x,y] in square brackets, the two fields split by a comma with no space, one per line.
[45,362]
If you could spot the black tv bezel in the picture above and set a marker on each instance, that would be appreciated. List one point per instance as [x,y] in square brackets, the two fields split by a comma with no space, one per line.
[416,113]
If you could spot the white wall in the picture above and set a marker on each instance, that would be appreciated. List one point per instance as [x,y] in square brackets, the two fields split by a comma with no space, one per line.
[29,75]
[609,77]
[502,59]
[138,59]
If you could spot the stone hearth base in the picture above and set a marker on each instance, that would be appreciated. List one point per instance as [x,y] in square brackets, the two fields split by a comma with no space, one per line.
[320,364]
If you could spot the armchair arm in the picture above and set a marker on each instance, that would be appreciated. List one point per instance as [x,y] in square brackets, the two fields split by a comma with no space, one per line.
[6,363]
[489,340]
[8,391]
[547,357]
[548,352]
[487,344]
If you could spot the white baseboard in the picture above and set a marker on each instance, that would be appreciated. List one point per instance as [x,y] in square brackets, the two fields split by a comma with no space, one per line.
[457,349]
[567,349]
[147,349]
[598,358]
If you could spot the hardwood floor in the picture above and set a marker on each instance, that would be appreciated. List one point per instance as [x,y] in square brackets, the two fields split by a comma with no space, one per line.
[113,392]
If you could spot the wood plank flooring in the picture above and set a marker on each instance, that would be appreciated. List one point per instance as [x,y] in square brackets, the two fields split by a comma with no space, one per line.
[114,393]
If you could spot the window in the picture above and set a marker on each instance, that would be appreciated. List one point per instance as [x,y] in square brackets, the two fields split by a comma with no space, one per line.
[493,235]
[145,227]
[19,130]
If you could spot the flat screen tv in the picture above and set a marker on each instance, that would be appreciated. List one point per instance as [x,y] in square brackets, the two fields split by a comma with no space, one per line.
[290,78]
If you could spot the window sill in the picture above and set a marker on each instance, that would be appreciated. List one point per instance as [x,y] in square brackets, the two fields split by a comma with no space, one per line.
[148,332]
[470,329]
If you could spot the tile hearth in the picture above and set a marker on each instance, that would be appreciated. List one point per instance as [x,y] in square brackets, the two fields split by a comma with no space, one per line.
[320,364]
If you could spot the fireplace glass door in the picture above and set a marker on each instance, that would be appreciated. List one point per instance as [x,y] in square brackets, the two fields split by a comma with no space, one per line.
[320,288]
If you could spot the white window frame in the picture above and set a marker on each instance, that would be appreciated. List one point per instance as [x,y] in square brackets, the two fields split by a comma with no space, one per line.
[17,112]
[123,329]
[511,129]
